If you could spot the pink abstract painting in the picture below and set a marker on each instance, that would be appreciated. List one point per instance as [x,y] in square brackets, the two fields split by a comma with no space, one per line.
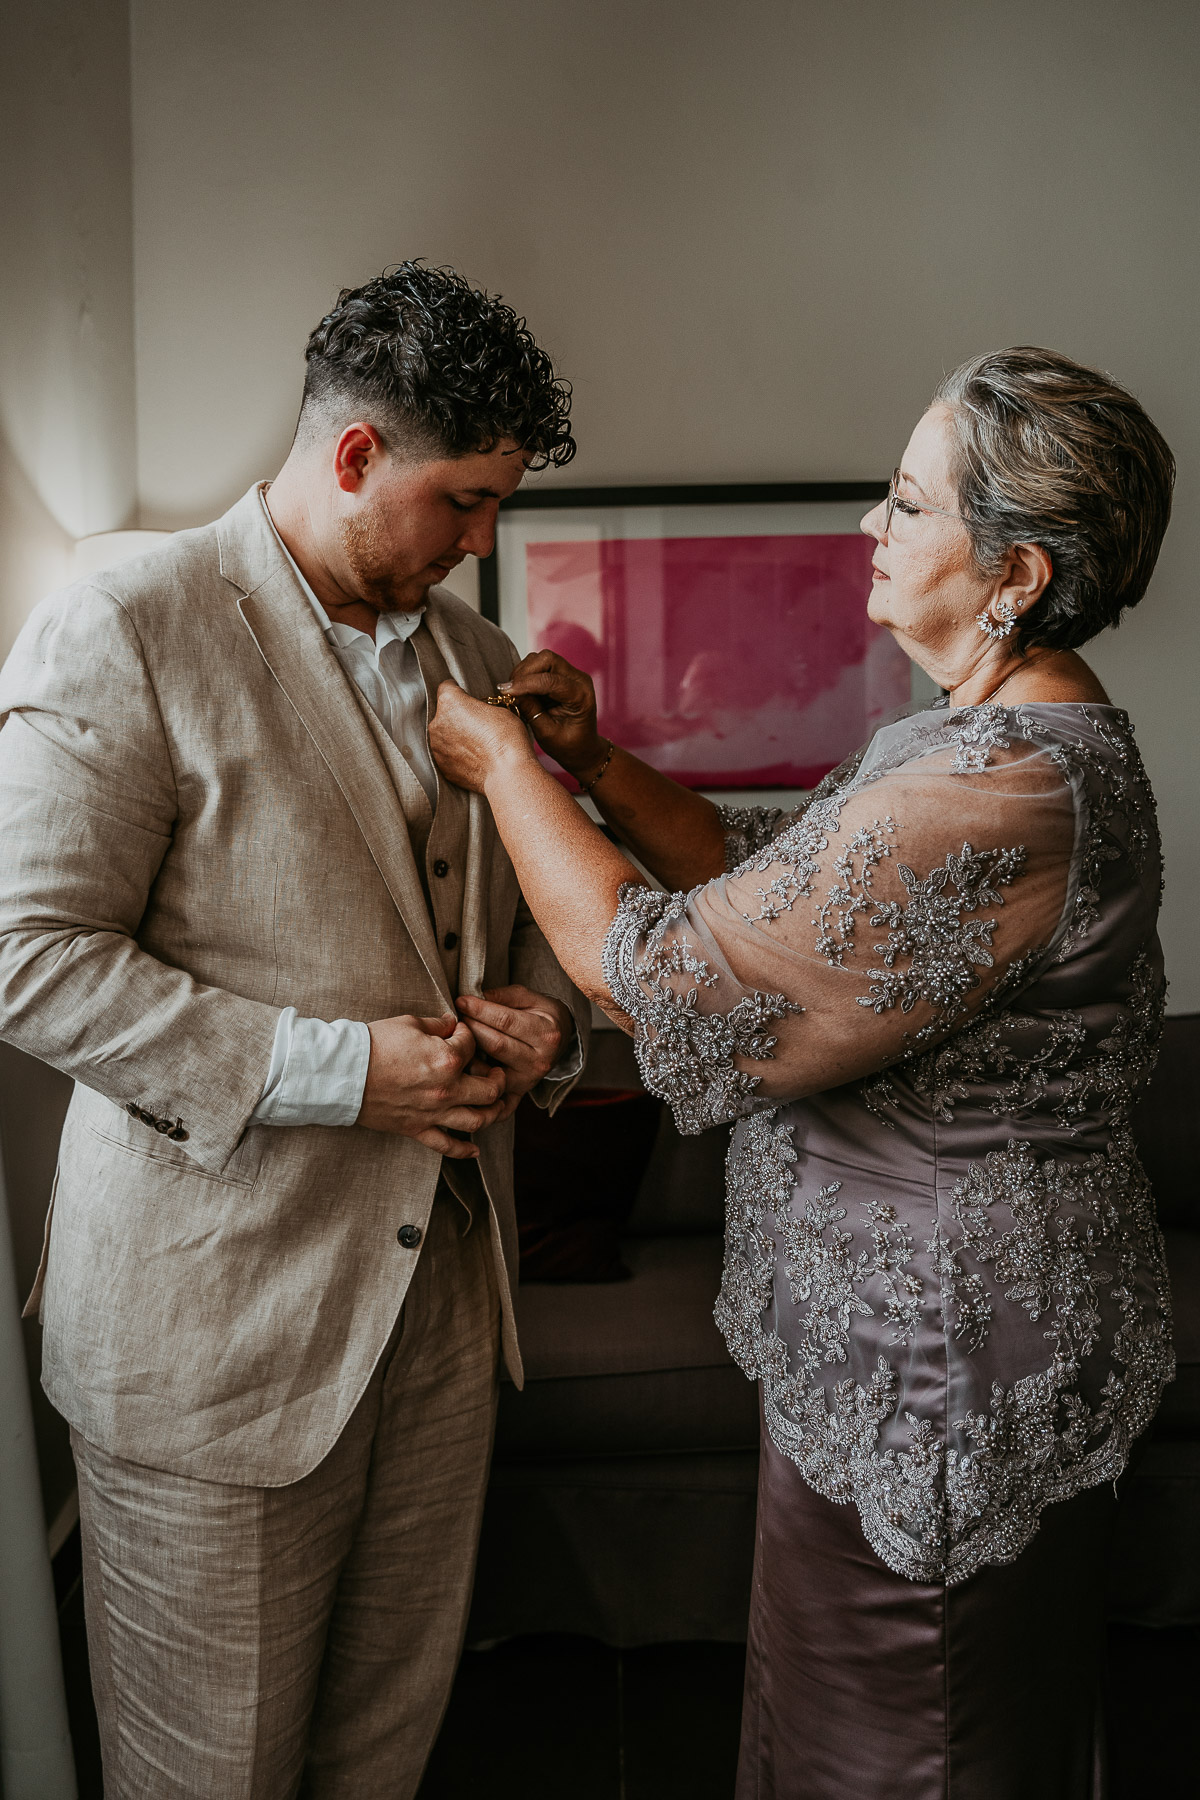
[727,662]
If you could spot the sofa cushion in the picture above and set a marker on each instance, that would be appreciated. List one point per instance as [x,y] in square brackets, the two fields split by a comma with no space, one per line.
[575,1175]
[683,1189]
[661,1319]
[635,1369]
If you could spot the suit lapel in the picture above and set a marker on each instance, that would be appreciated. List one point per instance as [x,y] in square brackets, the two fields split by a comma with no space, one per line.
[466,666]
[292,644]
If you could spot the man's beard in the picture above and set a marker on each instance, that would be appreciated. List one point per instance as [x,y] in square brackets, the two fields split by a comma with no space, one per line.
[373,567]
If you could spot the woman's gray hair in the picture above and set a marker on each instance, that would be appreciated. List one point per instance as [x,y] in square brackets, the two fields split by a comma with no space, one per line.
[1052,453]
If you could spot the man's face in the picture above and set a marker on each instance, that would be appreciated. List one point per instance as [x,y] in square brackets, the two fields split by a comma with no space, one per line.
[408,523]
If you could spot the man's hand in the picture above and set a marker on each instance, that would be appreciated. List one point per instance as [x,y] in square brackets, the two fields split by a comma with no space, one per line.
[522,1031]
[421,1084]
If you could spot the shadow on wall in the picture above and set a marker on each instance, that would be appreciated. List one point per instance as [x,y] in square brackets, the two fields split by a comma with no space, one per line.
[36,553]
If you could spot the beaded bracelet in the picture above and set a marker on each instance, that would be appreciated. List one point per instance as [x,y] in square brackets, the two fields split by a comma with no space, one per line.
[587,786]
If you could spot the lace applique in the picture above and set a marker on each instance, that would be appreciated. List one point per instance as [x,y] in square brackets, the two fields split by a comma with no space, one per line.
[747,830]
[1033,1050]
[938,1508]
[966,1305]
[686,1056]
[890,1261]
[1046,1061]
[984,731]
[1063,1217]
[850,896]
[938,948]
[794,852]
[820,1272]
[1045,1264]
[1119,808]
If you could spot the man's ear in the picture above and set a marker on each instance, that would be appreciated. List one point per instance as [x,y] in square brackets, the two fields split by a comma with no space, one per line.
[1025,579]
[358,445]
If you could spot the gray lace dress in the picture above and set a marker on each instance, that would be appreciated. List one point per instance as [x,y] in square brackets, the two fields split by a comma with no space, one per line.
[929,1001]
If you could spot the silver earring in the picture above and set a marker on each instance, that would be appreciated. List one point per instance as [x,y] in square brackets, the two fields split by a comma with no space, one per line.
[996,629]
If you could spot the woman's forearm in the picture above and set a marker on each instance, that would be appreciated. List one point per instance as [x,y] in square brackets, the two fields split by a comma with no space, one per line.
[673,832]
[569,872]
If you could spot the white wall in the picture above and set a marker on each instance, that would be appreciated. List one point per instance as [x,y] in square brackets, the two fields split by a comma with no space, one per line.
[754,236]
[67,460]
[67,456]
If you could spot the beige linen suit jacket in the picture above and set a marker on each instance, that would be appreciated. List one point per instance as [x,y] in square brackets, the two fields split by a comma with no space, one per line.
[203,822]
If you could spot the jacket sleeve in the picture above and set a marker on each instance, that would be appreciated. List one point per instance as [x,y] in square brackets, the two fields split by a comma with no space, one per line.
[88,806]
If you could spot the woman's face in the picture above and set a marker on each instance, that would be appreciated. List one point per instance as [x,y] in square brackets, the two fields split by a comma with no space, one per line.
[926,588]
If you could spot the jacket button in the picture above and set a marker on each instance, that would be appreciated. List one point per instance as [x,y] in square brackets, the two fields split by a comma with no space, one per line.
[147,1118]
[409,1236]
[441,866]
[133,1109]
[450,939]
[162,1125]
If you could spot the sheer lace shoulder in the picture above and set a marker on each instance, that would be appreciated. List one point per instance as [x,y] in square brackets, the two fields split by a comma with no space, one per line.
[747,829]
[932,873]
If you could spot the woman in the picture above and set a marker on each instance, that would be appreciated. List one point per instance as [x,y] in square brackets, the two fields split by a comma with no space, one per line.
[929,1000]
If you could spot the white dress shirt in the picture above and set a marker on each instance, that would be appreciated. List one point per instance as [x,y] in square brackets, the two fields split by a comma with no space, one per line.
[318,1070]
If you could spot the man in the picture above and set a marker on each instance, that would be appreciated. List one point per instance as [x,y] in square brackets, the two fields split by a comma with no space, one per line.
[293,978]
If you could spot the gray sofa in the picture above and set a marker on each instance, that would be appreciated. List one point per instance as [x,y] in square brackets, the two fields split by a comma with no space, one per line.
[621,1503]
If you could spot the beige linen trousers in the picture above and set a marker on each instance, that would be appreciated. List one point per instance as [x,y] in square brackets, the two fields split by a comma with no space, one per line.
[202,823]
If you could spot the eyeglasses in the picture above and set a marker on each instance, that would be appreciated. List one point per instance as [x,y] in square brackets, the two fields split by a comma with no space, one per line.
[910,508]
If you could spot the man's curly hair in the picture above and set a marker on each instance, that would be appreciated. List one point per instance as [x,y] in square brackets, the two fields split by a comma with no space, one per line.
[438,367]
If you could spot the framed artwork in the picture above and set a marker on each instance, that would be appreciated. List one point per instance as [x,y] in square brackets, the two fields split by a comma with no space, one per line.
[725,627]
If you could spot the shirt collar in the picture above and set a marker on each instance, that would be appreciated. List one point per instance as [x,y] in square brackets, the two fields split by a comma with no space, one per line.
[395,627]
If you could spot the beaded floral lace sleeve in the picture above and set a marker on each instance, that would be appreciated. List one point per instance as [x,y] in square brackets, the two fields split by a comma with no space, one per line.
[747,830]
[870,925]
[687,1055]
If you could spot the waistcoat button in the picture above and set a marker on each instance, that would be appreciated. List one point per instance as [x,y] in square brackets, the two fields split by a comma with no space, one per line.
[409,1236]
[450,939]
[441,866]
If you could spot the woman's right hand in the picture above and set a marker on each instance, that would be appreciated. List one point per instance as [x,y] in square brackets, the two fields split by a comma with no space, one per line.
[558,703]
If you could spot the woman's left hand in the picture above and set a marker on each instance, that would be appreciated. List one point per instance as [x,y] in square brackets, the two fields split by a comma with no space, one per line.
[469,738]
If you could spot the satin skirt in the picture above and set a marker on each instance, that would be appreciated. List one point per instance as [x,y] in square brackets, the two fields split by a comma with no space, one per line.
[863,1685]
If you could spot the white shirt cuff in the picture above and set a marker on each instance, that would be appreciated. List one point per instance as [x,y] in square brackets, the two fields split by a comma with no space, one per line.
[317,1073]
